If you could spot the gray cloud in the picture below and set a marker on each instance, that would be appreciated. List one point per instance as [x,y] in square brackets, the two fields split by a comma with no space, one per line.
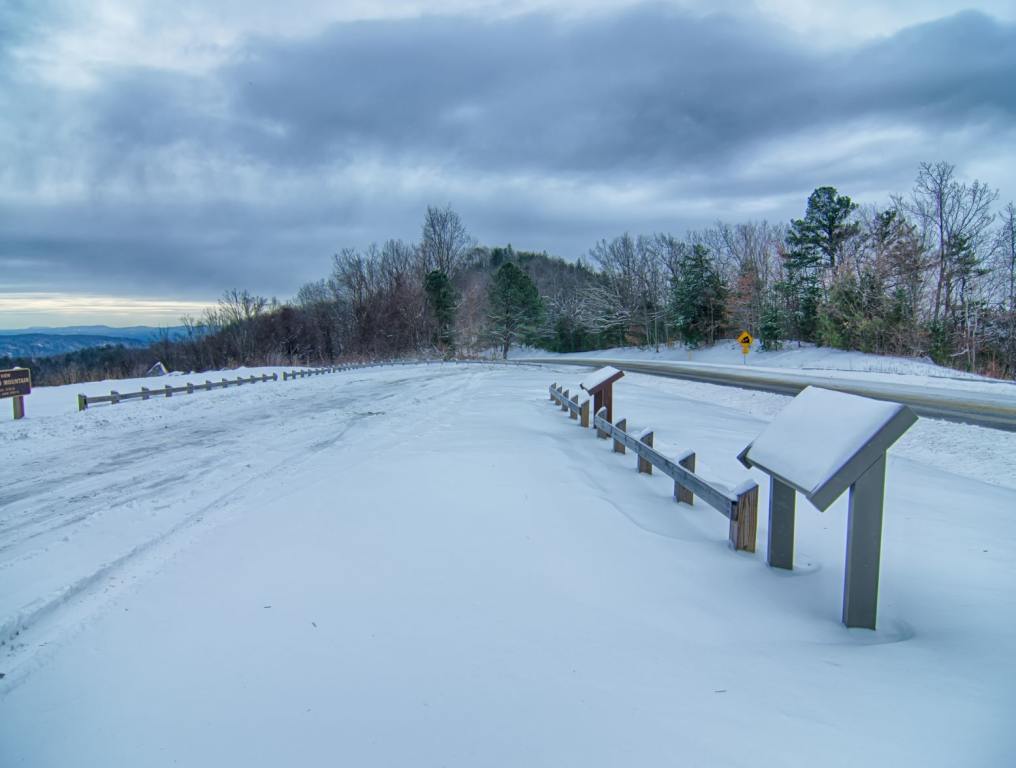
[545,132]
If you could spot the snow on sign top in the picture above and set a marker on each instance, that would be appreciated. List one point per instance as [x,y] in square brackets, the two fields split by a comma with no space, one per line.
[818,434]
[600,377]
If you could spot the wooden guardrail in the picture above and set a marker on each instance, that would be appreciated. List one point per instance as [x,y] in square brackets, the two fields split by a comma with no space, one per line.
[739,504]
[114,397]
[145,393]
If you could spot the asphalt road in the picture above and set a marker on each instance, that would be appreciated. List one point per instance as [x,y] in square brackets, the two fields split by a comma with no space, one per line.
[987,409]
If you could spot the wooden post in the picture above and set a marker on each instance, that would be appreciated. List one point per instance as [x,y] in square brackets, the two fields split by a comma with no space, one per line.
[744,520]
[573,413]
[681,493]
[618,445]
[82,402]
[275,376]
[644,466]
[169,391]
[114,397]
[584,414]
[208,384]
[19,407]
[190,388]
[145,393]
[552,391]
[564,406]
[225,382]
[601,413]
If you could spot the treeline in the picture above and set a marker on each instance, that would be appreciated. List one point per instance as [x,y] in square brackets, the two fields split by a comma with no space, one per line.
[930,274]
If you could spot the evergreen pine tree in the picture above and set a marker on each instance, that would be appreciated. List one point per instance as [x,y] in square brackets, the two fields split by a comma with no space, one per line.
[515,306]
[441,298]
[698,297]
[814,243]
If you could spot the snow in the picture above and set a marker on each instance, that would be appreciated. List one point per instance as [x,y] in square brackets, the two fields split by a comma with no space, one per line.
[433,565]
[805,358]
[817,433]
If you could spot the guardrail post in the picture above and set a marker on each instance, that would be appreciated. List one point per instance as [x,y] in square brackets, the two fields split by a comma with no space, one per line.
[744,520]
[623,426]
[601,414]
[681,493]
[82,402]
[19,407]
[208,384]
[584,414]
[225,382]
[169,391]
[552,391]
[190,388]
[564,406]
[275,376]
[644,466]
[114,397]
[573,412]
[145,393]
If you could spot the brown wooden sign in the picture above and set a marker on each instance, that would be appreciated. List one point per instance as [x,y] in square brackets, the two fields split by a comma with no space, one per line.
[15,382]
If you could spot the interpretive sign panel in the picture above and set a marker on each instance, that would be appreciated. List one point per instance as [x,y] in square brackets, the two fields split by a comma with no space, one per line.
[15,382]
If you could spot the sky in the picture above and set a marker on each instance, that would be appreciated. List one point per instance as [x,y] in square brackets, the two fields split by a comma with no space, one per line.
[154,155]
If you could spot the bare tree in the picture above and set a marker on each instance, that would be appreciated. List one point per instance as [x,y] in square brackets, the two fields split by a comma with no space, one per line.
[445,242]
[955,220]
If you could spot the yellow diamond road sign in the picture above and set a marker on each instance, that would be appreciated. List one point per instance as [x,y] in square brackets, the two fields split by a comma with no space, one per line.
[745,338]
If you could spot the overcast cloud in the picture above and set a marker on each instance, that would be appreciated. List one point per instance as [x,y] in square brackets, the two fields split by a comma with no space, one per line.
[176,156]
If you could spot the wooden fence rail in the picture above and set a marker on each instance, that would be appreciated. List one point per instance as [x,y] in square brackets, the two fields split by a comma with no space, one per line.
[739,505]
[145,393]
[114,397]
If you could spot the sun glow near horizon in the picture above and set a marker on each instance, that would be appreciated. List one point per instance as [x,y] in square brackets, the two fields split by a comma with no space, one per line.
[19,310]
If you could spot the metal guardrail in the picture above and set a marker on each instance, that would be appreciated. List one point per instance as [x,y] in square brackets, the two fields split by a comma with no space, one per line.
[739,505]
[986,409]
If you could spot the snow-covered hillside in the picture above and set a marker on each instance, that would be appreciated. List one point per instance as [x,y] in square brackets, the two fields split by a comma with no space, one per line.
[431,565]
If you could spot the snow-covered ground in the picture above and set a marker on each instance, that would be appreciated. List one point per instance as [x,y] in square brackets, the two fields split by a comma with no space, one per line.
[431,565]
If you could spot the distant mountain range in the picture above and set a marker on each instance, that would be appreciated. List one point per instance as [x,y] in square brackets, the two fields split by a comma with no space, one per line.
[46,342]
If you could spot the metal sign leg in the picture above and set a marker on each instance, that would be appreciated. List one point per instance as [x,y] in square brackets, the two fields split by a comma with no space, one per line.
[864,547]
[780,550]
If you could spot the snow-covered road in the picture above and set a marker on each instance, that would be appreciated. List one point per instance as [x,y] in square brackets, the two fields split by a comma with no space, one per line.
[430,565]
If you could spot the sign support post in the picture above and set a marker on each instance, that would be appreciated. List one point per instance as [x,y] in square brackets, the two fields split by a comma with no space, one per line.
[864,545]
[782,511]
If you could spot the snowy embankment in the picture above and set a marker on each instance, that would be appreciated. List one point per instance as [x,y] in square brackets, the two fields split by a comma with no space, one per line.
[816,361]
[432,565]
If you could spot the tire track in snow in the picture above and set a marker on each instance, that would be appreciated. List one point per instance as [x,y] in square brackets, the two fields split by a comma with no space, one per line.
[446,384]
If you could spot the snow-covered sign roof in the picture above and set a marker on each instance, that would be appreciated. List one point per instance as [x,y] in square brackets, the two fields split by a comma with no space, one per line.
[824,440]
[600,378]
[157,370]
